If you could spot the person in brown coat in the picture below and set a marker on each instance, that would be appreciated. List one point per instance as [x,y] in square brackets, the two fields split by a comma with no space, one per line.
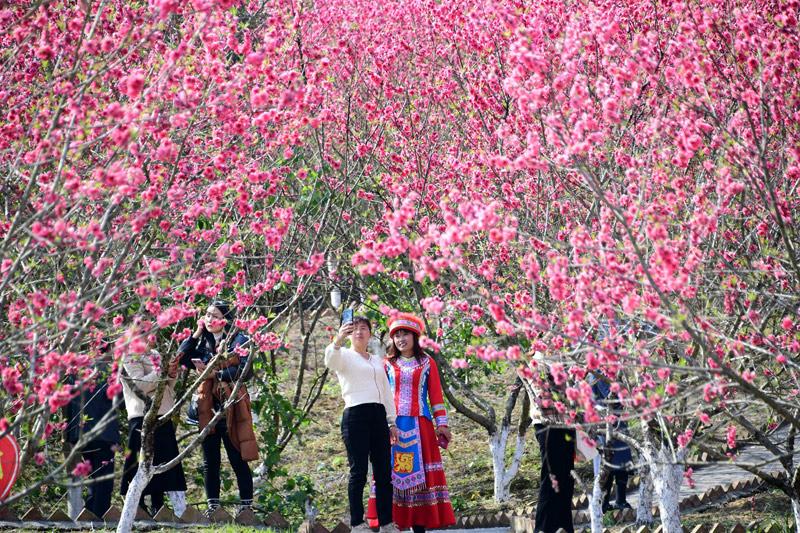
[213,335]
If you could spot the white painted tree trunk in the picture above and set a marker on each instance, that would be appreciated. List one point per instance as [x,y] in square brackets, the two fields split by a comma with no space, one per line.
[796,511]
[596,504]
[178,499]
[74,501]
[667,478]
[502,475]
[135,489]
[644,510]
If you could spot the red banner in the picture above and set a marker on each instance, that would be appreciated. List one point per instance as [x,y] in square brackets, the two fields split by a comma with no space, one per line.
[9,465]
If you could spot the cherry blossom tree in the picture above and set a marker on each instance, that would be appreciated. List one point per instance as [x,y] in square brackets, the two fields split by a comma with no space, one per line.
[151,163]
[611,185]
[643,169]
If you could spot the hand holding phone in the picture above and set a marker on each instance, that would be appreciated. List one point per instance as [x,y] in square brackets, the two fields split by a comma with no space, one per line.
[344,331]
[172,367]
[199,364]
[443,436]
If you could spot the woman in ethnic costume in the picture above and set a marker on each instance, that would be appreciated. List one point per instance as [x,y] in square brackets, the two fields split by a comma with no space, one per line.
[421,499]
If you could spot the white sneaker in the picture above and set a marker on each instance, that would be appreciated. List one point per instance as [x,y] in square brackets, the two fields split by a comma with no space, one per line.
[390,528]
[363,527]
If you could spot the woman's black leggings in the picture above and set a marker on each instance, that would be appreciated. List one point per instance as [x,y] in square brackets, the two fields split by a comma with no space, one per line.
[212,458]
[366,438]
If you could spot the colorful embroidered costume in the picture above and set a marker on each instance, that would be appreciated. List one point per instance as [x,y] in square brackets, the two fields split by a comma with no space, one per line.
[421,497]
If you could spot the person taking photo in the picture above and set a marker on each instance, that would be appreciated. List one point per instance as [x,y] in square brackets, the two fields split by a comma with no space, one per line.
[368,421]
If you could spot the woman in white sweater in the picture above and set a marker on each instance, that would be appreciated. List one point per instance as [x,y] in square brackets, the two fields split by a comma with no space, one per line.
[368,428]
[141,381]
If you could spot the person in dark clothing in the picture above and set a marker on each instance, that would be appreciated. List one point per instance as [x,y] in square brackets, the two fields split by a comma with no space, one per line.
[556,445]
[83,414]
[554,508]
[235,429]
[616,454]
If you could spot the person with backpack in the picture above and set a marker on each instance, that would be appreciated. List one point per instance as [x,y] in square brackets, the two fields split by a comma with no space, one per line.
[616,454]
[213,337]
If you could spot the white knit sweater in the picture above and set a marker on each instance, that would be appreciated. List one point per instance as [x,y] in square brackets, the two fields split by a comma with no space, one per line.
[362,380]
[143,374]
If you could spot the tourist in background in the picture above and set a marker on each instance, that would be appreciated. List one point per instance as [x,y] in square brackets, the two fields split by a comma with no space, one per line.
[84,414]
[139,382]
[556,445]
[215,335]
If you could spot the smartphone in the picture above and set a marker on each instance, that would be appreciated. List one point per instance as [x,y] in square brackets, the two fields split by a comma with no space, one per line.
[196,361]
[347,316]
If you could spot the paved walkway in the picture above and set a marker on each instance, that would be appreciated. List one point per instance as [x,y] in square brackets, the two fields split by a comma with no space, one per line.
[704,478]
[713,475]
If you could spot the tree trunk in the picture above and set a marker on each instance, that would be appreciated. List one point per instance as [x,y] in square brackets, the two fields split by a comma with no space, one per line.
[75,501]
[504,476]
[178,499]
[667,478]
[497,446]
[596,500]
[644,510]
[796,511]
[135,489]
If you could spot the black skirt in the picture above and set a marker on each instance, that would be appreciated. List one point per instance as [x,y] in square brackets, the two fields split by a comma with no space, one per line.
[165,449]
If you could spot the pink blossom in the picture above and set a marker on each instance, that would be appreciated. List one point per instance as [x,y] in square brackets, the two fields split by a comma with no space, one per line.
[685,438]
[687,474]
[731,437]
[429,344]
[478,331]
[133,84]
[45,52]
[11,381]
[82,469]
[432,305]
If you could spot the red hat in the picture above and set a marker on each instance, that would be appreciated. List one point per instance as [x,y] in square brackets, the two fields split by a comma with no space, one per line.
[407,321]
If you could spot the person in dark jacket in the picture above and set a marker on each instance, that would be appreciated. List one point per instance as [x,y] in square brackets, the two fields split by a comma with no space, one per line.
[556,446]
[83,413]
[214,334]
[616,454]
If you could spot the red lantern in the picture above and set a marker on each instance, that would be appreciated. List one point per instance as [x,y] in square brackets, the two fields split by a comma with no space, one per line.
[9,464]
